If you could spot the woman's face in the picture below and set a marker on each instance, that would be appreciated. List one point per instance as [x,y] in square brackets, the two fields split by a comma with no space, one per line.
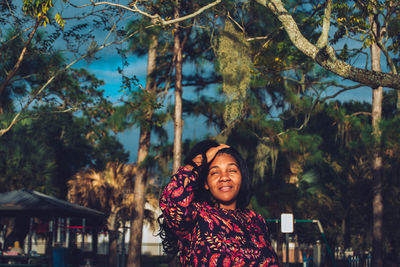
[224,180]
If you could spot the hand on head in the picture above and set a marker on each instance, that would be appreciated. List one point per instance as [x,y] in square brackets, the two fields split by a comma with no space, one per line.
[213,151]
[210,154]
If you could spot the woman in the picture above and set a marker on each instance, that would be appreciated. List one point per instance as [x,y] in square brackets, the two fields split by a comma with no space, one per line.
[205,215]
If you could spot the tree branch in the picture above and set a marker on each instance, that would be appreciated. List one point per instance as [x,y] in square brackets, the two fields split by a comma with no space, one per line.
[360,113]
[326,57]
[12,73]
[133,8]
[12,123]
[345,88]
[323,39]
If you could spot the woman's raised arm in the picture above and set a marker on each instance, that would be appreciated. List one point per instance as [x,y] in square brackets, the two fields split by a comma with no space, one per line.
[176,201]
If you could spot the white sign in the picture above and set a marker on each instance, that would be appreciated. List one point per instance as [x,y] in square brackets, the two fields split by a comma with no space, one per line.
[287,222]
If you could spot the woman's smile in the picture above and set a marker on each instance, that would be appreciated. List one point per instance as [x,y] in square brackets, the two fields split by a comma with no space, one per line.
[225,188]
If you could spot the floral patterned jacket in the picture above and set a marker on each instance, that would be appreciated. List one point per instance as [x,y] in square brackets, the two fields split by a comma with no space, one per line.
[210,236]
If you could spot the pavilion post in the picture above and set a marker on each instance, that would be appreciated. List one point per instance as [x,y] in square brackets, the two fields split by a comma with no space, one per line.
[83,233]
[53,231]
[95,234]
[123,242]
[49,244]
[30,235]
[68,222]
[58,233]
[3,235]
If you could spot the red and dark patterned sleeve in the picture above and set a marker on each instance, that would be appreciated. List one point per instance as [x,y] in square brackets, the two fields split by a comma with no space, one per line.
[176,201]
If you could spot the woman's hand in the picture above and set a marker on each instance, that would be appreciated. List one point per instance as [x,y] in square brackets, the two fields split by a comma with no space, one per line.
[213,151]
[210,154]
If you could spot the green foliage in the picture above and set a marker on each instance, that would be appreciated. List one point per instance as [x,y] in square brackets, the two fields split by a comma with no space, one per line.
[57,147]
[65,122]
[305,145]
[135,111]
[26,162]
[39,9]
[393,33]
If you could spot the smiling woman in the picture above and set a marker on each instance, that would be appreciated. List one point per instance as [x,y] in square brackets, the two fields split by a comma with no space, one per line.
[224,180]
[205,220]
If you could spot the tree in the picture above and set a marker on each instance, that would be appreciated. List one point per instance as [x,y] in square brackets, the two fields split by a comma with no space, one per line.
[110,191]
[19,51]
[337,188]
[178,123]
[143,150]
[26,162]
[146,101]
[38,11]
[377,165]
[57,147]
[377,12]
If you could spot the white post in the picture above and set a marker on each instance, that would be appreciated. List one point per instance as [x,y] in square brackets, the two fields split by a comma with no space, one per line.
[58,240]
[287,227]
[67,232]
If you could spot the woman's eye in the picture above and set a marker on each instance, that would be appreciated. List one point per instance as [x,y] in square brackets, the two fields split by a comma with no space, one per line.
[213,173]
[233,171]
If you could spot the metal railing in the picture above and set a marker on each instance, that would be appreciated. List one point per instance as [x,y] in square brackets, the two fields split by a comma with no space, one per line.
[360,261]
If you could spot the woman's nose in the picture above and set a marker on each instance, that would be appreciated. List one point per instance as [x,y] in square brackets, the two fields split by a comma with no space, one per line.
[224,177]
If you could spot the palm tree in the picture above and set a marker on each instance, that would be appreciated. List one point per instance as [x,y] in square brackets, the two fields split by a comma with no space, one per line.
[110,191]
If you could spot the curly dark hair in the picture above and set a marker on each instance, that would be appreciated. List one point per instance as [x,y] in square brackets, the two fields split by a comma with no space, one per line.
[169,239]
[245,192]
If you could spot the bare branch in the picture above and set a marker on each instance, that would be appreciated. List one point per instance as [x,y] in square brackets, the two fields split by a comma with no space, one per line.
[133,8]
[345,89]
[267,140]
[235,22]
[268,37]
[12,123]
[10,9]
[360,113]
[323,39]
[378,41]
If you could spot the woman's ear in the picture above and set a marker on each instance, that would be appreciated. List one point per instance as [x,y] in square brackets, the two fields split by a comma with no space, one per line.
[206,186]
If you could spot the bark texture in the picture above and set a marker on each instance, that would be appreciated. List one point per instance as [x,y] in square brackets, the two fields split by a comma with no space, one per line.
[178,122]
[112,225]
[377,161]
[135,242]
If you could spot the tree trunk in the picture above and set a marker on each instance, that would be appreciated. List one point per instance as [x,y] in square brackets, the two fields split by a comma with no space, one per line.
[377,202]
[112,249]
[178,123]
[113,239]
[135,241]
